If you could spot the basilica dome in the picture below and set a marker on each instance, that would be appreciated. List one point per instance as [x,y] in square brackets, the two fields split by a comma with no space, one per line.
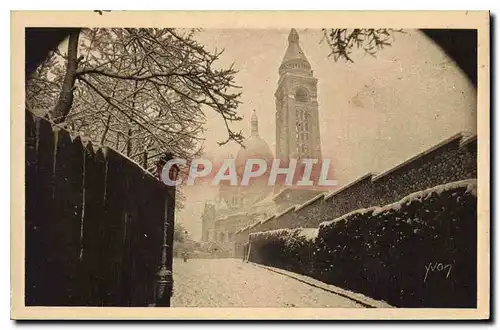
[254,148]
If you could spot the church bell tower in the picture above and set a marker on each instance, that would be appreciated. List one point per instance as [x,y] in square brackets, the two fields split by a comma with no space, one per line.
[297,120]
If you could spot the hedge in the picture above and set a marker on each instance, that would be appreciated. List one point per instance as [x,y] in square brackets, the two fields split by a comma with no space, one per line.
[418,252]
[289,249]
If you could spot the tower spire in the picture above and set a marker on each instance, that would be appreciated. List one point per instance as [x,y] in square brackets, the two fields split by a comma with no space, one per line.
[294,58]
[297,115]
[255,124]
[293,37]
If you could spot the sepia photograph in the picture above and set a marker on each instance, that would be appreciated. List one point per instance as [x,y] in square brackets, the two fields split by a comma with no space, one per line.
[232,165]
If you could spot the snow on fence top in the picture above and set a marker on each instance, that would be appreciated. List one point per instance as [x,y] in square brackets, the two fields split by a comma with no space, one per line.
[84,140]
[106,149]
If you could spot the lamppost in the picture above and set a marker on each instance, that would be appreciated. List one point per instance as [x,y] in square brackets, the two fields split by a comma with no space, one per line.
[165,280]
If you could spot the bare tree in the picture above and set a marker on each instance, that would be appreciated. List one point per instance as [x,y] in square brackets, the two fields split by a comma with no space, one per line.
[342,42]
[140,91]
[43,86]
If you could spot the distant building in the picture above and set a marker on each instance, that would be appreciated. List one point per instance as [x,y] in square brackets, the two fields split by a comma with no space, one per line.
[238,206]
[297,136]
[297,118]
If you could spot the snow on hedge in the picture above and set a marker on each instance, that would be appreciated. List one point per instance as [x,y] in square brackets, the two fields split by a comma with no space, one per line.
[381,250]
[270,233]
[291,236]
[347,215]
[308,234]
[420,196]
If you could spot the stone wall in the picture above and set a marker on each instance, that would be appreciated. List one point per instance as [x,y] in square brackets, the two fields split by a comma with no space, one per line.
[451,160]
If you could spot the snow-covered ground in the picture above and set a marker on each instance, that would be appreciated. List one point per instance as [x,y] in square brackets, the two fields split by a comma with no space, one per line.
[234,283]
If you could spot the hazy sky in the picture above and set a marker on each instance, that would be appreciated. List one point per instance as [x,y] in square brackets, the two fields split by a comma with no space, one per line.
[374,113]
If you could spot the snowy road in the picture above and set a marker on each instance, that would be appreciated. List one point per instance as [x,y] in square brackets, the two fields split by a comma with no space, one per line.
[234,283]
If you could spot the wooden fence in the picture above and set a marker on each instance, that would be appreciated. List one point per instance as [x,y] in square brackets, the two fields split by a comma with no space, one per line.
[94,223]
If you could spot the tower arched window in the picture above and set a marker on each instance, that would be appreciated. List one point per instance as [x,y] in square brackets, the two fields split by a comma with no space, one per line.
[301,94]
[302,131]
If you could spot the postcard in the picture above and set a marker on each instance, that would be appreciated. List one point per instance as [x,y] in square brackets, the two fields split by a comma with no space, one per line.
[250,165]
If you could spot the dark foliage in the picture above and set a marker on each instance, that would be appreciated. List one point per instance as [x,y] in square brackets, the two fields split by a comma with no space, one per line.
[289,249]
[343,42]
[418,252]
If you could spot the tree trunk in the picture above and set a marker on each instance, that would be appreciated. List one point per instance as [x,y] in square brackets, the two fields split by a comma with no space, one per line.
[145,159]
[65,100]
[129,142]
